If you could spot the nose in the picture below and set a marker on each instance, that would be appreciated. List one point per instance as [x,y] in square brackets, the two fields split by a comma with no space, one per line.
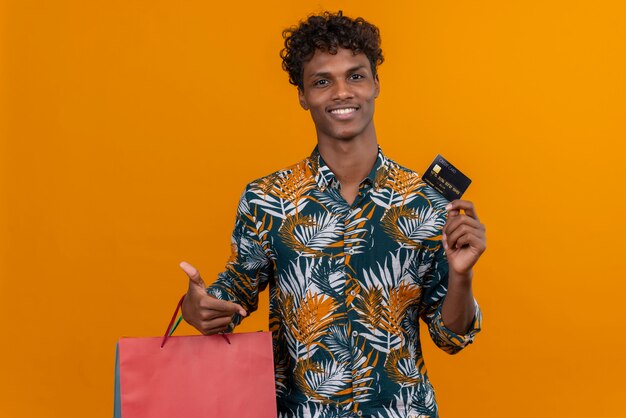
[342,91]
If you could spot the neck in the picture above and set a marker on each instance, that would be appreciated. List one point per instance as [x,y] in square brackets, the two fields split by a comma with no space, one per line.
[350,161]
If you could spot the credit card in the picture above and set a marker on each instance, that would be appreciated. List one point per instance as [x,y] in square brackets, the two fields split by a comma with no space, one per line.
[446,179]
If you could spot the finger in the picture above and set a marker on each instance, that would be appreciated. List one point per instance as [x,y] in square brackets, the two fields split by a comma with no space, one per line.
[211,302]
[454,223]
[444,241]
[460,236]
[193,274]
[454,238]
[452,213]
[208,315]
[223,306]
[216,325]
[472,241]
[465,205]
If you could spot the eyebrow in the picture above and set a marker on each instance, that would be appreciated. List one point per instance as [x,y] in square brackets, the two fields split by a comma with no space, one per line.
[327,74]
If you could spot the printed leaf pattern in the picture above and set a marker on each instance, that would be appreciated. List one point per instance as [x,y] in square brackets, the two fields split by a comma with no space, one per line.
[348,285]
[310,235]
[322,381]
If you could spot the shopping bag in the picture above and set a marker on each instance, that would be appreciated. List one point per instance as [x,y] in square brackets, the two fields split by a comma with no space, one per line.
[195,376]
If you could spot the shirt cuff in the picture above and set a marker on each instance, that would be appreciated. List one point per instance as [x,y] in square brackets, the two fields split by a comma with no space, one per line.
[452,339]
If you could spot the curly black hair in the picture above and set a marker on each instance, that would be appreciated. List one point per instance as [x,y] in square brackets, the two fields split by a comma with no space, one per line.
[328,32]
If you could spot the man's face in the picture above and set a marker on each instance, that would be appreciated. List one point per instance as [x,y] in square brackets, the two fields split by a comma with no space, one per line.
[340,91]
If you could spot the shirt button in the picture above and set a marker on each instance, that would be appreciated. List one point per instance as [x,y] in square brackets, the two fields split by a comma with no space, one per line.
[355,334]
[352,293]
[359,413]
[351,251]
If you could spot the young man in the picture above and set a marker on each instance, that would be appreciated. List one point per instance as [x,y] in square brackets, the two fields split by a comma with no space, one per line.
[354,249]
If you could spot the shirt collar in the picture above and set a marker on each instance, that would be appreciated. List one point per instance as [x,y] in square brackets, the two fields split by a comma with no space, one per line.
[325,178]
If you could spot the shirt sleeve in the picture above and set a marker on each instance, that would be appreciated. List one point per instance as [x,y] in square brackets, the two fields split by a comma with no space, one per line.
[249,268]
[433,294]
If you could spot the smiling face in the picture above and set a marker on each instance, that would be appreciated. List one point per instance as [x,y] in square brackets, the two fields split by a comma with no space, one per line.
[340,91]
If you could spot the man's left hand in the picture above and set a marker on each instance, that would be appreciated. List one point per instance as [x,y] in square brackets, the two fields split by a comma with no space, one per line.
[463,237]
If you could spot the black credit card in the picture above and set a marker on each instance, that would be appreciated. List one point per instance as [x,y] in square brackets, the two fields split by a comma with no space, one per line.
[446,179]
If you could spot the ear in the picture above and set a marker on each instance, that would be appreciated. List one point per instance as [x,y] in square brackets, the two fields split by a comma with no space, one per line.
[302,100]
[376,86]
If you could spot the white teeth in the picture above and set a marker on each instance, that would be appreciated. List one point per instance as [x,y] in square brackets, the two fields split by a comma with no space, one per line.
[343,111]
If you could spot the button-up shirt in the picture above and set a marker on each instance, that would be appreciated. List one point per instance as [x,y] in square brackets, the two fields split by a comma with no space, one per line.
[348,284]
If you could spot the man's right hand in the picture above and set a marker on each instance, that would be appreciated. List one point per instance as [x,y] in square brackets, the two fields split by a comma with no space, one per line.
[206,313]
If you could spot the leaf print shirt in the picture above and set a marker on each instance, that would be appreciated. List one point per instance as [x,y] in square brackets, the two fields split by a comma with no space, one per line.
[348,284]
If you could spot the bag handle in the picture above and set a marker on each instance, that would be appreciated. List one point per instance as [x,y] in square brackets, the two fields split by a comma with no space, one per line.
[173,325]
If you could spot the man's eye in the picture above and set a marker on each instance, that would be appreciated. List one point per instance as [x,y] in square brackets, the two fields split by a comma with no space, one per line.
[356,77]
[320,83]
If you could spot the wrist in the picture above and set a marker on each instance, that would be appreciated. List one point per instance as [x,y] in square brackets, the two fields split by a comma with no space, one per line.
[457,278]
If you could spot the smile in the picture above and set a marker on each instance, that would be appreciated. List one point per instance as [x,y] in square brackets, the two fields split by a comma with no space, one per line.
[345,111]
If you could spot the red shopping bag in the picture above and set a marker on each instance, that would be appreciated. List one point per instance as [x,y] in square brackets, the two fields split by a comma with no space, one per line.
[195,377]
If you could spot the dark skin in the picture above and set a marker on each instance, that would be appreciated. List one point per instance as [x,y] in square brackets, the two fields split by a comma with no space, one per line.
[339,91]
[206,313]
[342,82]
[464,241]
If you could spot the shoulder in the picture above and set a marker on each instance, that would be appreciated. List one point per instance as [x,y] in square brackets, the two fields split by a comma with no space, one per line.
[302,171]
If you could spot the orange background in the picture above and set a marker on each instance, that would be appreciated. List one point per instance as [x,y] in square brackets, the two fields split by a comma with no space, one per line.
[129,129]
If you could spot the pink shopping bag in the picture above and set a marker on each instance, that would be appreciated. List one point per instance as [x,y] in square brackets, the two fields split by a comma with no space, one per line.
[196,377]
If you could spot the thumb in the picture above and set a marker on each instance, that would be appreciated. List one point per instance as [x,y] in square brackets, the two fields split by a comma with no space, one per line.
[194,275]
[241,311]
